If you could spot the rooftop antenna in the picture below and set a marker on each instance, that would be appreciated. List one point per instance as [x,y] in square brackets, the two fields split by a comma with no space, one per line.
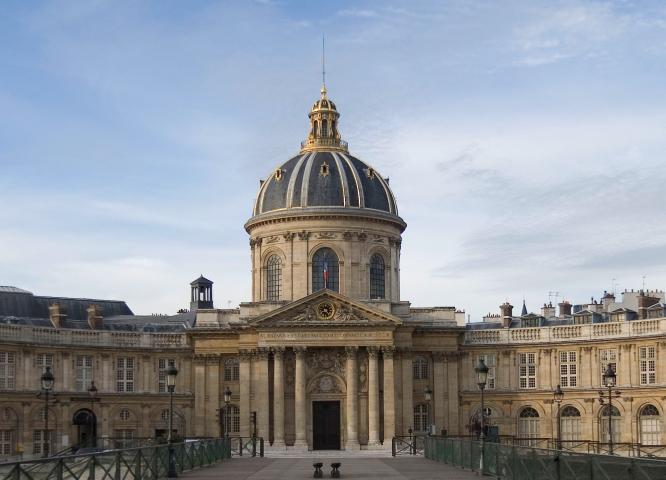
[644,282]
[613,285]
[552,295]
[323,62]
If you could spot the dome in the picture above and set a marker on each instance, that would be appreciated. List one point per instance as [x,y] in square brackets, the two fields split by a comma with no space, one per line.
[325,178]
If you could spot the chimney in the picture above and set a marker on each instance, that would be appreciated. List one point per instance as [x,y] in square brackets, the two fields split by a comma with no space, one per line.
[607,299]
[644,302]
[57,315]
[548,311]
[565,308]
[95,318]
[507,314]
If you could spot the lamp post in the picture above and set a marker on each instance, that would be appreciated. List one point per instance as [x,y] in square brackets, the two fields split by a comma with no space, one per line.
[171,373]
[481,370]
[47,381]
[227,417]
[92,391]
[427,393]
[609,379]
[558,396]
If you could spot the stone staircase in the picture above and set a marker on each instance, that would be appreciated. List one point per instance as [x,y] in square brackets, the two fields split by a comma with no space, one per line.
[318,454]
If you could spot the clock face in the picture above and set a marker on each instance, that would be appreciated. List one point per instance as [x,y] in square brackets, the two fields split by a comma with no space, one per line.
[325,310]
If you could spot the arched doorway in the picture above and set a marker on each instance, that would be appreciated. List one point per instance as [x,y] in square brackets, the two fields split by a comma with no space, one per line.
[86,428]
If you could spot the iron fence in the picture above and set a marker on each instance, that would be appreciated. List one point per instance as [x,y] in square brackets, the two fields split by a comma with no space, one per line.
[145,463]
[407,445]
[514,462]
[251,446]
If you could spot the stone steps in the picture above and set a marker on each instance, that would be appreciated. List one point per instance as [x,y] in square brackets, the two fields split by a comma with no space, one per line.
[318,454]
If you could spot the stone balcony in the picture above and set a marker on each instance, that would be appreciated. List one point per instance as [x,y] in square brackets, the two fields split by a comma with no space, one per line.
[567,333]
[26,334]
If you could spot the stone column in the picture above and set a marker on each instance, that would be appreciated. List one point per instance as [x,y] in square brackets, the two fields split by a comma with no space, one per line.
[300,405]
[452,377]
[244,403]
[278,397]
[261,396]
[373,397]
[407,391]
[200,396]
[389,396]
[212,400]
[352,399]
[439,391]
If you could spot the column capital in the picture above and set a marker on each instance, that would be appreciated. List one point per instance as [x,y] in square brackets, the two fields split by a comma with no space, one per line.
[438,356]
[245,354]
[300,351]
[261,353]
[351,351]
[278,352]
[372,351]
[388,351]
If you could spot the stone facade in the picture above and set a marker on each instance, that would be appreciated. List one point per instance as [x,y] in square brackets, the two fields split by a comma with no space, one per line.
[326,353]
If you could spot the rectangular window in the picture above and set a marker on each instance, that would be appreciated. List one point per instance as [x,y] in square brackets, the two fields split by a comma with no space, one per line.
[39,437]
[608,356]
[123,438]
[568,369]
[84,372]
[43,360]
[163,364]
[6,445]
[527,370]
[7,370]
[231,370]
[125,374]
[490,359]
[647,360]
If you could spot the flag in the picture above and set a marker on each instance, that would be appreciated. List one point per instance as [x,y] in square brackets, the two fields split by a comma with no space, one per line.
[325,274]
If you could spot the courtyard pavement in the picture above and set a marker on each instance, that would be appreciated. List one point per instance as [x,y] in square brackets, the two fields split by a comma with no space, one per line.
[355,467]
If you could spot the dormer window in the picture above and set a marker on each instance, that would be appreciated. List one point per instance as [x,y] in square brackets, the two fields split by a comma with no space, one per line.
[323,171]
[370,172]
[278,174]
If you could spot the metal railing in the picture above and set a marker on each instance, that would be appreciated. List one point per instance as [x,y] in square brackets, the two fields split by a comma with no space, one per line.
[250,446]
[525,463]
[407,445]
[147,463]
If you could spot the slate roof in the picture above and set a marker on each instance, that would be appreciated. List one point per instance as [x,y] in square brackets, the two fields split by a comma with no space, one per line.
[347,182]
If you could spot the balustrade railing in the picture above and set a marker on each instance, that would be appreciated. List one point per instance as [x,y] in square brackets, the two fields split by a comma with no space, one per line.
[52,336]
[567,333]
[513,462]
[145,463]
[407,445]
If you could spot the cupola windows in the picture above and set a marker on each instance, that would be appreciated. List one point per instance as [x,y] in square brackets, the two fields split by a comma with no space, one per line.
[377,277]
[273,278]
[325,270]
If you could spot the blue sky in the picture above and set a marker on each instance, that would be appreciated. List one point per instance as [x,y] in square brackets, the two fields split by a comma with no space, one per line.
[524,141]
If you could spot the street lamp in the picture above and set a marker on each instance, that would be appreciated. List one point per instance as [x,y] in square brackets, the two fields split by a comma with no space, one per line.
[227,417]
[47,380]
[609,380]
[171,373]
[481,370]
[427,393]
[558,395]
[92,391]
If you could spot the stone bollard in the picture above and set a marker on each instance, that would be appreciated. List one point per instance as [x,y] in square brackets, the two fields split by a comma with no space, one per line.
[335,473]
[318,473]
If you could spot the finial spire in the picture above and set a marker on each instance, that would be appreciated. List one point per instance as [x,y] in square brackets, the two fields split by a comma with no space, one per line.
[323,66]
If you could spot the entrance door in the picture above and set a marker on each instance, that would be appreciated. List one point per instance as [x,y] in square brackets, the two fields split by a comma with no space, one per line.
[86,423]
[326,425]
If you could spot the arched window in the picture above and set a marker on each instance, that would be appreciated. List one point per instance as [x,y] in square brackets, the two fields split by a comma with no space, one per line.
[273,278]
[420,368]
[650,426]
[324,128]
[421,418]
[603,424]
[377,281]
[528,426]
[325,270]
[570,418]
[232,419]
[231,370]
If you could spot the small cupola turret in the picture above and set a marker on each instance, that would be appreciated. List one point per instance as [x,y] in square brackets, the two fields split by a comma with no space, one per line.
[202,294]
[324,134]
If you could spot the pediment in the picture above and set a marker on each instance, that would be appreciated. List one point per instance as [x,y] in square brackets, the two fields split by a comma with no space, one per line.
[326,308]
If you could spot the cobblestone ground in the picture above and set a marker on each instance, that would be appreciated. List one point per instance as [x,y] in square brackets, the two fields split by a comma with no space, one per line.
[301,468]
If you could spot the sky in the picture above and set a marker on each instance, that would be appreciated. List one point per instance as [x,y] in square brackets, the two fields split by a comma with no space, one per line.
[525,141]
